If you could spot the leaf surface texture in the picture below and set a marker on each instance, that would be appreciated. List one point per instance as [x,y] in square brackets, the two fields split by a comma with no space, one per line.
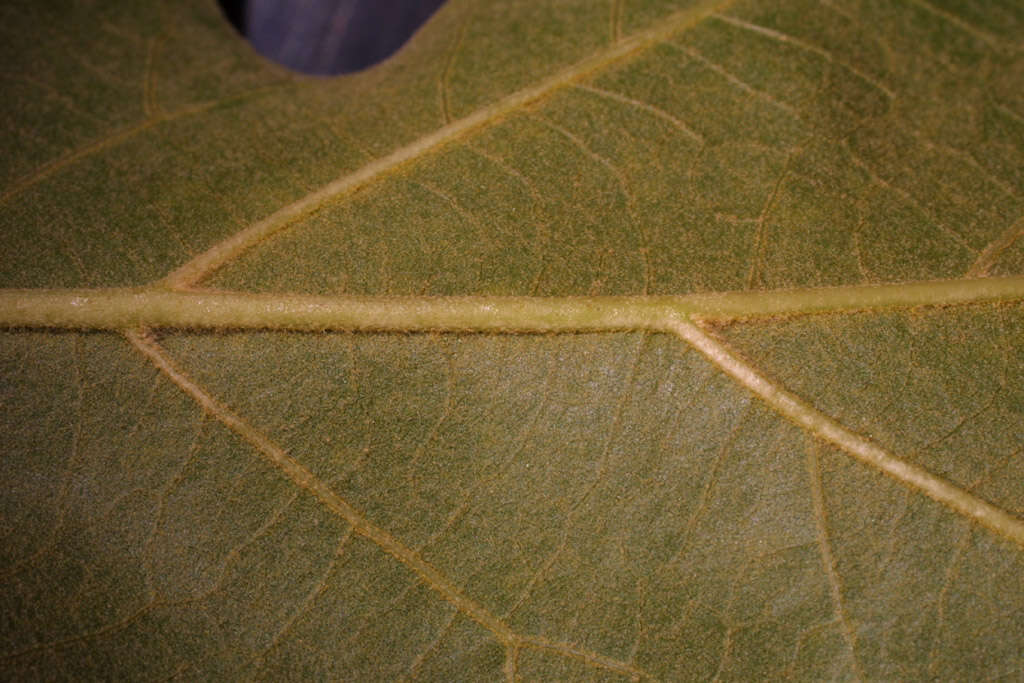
[677,497]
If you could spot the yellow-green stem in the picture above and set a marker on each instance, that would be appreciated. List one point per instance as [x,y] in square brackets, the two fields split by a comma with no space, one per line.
[131,308]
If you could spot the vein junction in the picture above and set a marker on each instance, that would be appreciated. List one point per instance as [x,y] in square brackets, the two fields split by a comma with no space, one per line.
[205,263]
[174,304]
[129,309]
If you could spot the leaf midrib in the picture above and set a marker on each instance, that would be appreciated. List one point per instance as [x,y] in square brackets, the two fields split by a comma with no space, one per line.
[129,310]
[156,306]
[173,302]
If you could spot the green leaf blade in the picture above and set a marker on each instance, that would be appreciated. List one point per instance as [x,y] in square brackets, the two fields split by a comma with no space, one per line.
[776,467]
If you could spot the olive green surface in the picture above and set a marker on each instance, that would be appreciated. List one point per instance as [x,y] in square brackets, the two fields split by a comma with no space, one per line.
[275,504]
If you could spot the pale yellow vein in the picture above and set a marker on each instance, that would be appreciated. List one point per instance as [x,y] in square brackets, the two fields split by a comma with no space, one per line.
[818,424]
[204,264]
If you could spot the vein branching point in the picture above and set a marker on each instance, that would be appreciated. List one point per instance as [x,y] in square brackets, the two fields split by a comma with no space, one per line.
[132,309]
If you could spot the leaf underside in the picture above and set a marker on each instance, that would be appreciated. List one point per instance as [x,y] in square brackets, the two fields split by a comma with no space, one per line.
[744,496]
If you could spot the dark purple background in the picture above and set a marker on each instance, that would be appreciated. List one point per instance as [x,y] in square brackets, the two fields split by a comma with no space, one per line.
[328,37]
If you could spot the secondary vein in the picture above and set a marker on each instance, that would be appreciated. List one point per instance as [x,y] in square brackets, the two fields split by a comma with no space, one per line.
[204,264]
[824,427]
[359,523]
[305,479]
[128,309]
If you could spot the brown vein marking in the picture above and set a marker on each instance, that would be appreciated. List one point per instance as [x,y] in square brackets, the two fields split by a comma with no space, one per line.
[760,250]
[815,422]
[444,86]
[53,167]
[615,21]
[155,604]
[1009,113]
[542,226]
[827,560]
[984,36]
[216,256]
[484,485]
[814,49]
[413,671]
[991,253]
[952,574]
[962,157]
[675,122]
[150,103]
[864,274]
[315,591]
[592,659]
[446,412]
[305,480]
[106,629]
[456,205]
[48,540]
[627,193]
[708,489]
[573,513]
[112,140]
[863,165]
[735,80]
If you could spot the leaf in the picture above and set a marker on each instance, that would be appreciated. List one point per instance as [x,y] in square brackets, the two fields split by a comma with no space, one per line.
[651,340]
